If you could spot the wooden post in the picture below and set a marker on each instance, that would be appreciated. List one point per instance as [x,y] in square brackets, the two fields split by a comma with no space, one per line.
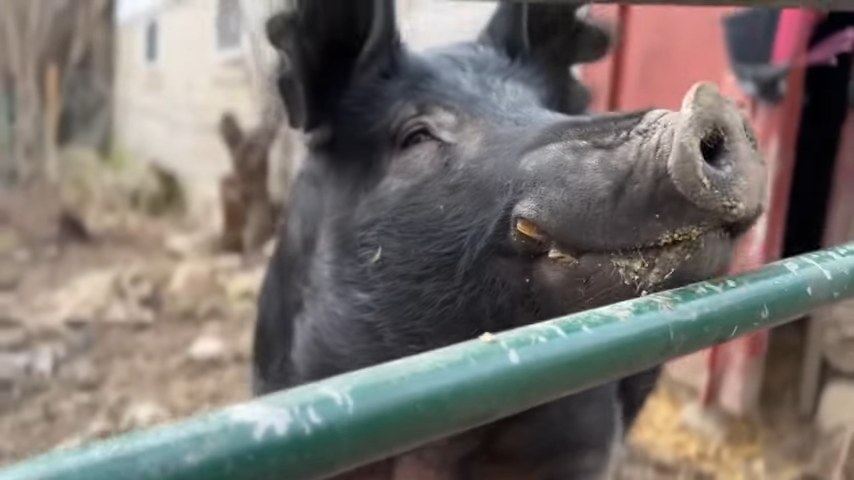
[52,110]
[248,210]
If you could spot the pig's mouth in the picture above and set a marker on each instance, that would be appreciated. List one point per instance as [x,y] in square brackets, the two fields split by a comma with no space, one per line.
[650,267]
[647,266]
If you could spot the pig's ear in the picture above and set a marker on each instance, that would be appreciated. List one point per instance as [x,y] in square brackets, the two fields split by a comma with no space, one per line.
[326,45]
[551,33]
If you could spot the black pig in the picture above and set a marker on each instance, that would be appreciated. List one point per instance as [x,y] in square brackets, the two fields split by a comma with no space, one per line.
[462,191]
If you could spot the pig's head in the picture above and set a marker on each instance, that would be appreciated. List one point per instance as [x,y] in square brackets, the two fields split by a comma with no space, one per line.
[463,189]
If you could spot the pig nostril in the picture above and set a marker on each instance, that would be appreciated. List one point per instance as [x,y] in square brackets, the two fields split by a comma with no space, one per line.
[712,147]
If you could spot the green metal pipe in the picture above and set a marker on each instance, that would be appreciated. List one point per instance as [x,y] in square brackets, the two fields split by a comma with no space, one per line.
[334,425]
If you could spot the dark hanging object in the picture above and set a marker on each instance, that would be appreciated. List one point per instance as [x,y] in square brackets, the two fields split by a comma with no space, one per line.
[750,35]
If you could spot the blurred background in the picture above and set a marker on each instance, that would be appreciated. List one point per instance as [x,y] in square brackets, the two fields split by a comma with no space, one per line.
[130,262]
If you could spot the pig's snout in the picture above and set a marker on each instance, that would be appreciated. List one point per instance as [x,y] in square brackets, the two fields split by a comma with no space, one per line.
[714,161]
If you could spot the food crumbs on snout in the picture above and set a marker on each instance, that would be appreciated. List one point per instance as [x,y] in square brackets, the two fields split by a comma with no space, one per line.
[652,265]
[487,337]
[687,234]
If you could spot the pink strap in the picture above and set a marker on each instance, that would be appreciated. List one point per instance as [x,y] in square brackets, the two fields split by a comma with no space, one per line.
[827,50]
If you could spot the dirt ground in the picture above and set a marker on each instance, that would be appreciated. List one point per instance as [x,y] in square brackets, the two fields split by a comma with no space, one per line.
[146,324]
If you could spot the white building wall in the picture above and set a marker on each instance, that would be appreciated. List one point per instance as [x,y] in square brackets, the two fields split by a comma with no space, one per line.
[168,111]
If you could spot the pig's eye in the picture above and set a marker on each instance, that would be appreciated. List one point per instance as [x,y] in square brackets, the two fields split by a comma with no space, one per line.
[415,136]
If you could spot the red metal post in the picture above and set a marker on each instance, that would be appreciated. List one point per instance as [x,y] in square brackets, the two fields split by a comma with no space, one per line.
[739,365]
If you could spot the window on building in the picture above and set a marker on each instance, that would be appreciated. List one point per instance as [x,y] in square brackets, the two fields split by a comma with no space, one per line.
[229,22]
[151,42]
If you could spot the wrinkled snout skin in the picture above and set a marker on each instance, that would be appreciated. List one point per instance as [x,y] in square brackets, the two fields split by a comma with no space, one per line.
[465,190]
[702,161]
[656,196]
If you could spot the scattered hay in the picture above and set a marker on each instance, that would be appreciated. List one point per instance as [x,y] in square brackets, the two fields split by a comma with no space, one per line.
[740,455]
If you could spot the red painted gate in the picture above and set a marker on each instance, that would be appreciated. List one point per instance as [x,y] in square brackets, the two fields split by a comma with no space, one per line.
[662,51]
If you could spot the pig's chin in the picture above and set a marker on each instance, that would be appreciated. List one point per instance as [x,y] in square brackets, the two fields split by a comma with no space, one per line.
[588,280]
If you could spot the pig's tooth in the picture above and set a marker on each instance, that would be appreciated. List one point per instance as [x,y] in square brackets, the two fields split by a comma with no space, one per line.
[529,229]
[557,254]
